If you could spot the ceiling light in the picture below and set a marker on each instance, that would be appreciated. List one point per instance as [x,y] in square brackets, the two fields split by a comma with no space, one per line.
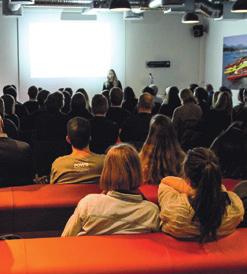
[190,18]
[239,6]
[119,5]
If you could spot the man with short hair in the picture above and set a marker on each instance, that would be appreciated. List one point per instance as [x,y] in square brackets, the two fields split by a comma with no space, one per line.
[104,132]
[82,165]
[135,129]
[16,165]
[32,104]
[116,113]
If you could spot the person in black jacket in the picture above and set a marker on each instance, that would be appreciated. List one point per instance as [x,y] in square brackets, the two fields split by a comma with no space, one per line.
[32,105]
[16,166]
[104,132]
[112,81]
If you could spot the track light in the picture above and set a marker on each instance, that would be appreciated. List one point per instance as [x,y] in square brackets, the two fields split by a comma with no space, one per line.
[119,5]
[190,18]
[240,6]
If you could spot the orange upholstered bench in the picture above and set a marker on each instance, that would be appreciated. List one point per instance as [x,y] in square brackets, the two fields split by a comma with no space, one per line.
[133,254]
[38,210]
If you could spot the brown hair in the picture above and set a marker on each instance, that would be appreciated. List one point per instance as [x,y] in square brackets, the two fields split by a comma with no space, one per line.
[161,154]
[122,169]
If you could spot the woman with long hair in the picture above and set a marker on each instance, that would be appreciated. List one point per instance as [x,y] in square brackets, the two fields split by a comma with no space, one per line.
[203,209]
[120,209]
[161,154]
[129,100]
[112,81]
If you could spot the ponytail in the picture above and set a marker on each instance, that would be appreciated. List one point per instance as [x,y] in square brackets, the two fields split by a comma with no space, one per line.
[209,203]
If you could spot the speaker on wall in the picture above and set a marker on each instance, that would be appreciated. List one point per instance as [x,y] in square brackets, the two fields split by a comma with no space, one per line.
[198,30]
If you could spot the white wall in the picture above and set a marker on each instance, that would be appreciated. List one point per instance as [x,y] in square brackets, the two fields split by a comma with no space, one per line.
[214,48]
[157,37]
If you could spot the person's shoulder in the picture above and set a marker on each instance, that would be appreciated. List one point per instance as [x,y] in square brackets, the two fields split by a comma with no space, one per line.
[62,160]
[92,198]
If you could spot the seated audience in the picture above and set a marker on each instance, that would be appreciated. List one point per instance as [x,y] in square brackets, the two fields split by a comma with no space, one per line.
[83,91]
[67,101]
[231,148]
[112,81]
[32,105]
[16,166]
[186,118]
[120,209]
[69,90]
[135,129]
[161,154]
[129,100]
[210,90]
[171,102]
[9,103]
[41,98]
[202,99]
[203,210]
[116,113]
[152,89]
[79,107]
[81,166]
[104,132]
[240,111]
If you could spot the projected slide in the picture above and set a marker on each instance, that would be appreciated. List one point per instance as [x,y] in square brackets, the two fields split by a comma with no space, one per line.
[69,49]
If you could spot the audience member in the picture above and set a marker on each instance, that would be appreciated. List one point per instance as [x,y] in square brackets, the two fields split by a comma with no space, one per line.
[202,99]
[161,154]
[67,100]
[120,209]
[9,103]
[152,90]
[135,129]
[83,91]
[116,113]
[78,107]
[240,111]
[41,98]
[203,210]
[81,166]
[129,100]
[32,105]
[210,91]
[69,90]
[16,166]
[171,102]
[104,132]
[192,87]
[112,81]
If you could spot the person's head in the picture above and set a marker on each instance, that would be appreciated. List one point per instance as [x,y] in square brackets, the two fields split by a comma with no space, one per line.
[83,91]
[149,90]
[10,90]
[78,132]
[202,170]
[225,89]
[69,90]
[122,169]
[116,96]
[32,92]
[99,104]
[223,102]
[145,103]
[112,76]
[67,100]
[201,94]
[186,96]
[192,87]
[54,101]
[128,94]
[172,97]
[42,96]
[2,108]
[78,102]
[161,154]
[154,88]
[9,103]
[209,88]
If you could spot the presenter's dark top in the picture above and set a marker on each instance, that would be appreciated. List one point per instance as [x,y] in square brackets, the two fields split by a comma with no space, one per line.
[16,166]
[109,85]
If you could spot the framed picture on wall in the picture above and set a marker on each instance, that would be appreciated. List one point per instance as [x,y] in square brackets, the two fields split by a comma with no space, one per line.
[234,74]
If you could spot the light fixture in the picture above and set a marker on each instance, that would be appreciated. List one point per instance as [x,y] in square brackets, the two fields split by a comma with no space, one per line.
[119,5]
[240,6]
[190,18]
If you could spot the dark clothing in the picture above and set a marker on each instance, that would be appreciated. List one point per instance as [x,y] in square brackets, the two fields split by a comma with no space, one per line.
[20,110]
[167,109]
[104,133]
[130,105]
[31,106]
[10,129]
[109,85]
[15,163]
[231,148]
[51,126]
[135,129]
[156,108]
[240,113]
[84,113]
[14,118]
[117,115]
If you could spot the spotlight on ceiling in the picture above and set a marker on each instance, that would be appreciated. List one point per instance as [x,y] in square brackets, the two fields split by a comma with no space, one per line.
[190,18]
[119,5]
[240,6]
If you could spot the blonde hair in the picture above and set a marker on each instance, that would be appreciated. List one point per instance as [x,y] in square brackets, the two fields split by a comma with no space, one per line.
[122,169]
